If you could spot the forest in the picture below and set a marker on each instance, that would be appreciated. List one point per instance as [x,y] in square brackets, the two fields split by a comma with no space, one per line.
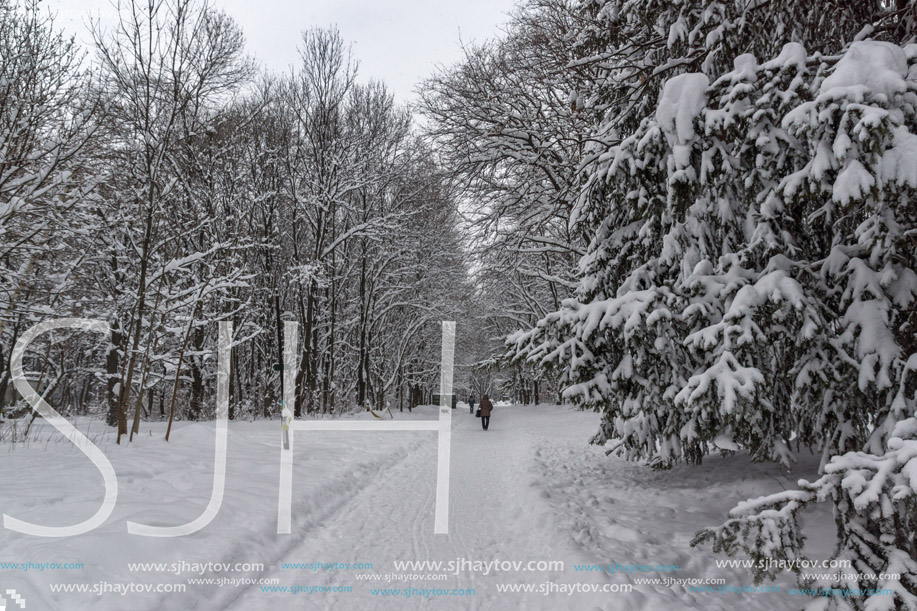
[696,218]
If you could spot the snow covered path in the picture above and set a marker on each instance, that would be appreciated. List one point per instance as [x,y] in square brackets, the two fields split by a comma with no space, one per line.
[528,490]
[496,514]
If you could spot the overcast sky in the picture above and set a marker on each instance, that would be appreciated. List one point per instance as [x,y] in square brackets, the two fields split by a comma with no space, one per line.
[397,41]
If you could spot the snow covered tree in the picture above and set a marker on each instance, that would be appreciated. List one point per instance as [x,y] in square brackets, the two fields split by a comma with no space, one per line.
[163,190]
[752,285]
[164,68]
[46,201]
[846,218]
[501,120]
[509,121]
[636,46]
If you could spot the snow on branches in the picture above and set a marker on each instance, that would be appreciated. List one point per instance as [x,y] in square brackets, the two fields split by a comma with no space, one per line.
[875,499]
[752,285]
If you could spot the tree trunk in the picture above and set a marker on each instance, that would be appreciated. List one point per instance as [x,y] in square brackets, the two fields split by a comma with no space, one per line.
[112,373]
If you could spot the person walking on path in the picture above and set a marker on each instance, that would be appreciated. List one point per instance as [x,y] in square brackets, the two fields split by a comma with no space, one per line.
[486,407]
[471,405]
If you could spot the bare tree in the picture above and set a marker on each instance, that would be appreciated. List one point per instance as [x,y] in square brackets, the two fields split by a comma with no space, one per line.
[166,64]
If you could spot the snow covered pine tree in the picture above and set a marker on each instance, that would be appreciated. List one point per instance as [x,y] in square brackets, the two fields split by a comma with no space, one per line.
[846,195]
[752,285]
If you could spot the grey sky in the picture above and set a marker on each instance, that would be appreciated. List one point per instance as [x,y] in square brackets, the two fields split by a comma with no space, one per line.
[398,41]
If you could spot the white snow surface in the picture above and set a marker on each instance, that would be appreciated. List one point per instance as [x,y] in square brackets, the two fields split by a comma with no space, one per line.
[792,54]
[682,99]
[530,488]
[869,65]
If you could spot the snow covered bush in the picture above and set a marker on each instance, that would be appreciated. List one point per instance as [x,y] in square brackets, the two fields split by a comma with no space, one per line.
[751,285]
[875,499]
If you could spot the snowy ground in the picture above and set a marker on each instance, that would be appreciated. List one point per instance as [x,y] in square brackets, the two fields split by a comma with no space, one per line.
[529,489]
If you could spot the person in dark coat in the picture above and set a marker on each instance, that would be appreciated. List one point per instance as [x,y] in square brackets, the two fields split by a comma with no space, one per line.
[486,407]
[471,405]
